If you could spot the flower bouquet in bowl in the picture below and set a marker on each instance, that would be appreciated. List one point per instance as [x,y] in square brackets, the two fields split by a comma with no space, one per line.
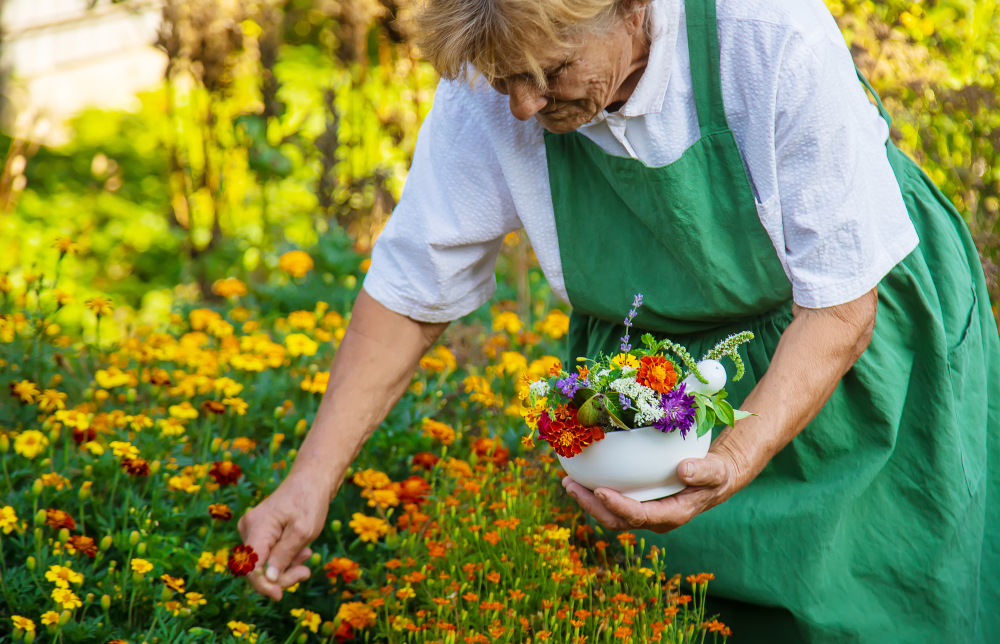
[627,421]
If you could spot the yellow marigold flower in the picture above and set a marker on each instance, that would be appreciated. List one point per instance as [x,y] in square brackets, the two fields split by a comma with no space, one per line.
[100,305]
[63,298]
[296,263]
[182,482]
[513,363]
[6,286]
[66,598]
[357,614]
[23,623]
[56,480]
[62,576]
[141,566]
[439,359]
[305,320]
[227,386]
[195,599]
[542,367]
[307,618]
[626,359]
[316,383]
[241,630]
[74,418]
[171,427]
[124,449]
[114,377]
[50,617]
[238,405]
[555,324]
[199,319]
[8,519]
[406,592]
[183,411]
[299,344]
[65,245]
[368,528]
[218,561]
[229,287]
[507,321]
[372,479]
[438,430]
[30,443]
[51,400]
[174,583]
[382,498]
[25,390]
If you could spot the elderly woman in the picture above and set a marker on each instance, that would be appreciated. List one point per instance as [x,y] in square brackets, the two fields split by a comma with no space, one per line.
[723,159]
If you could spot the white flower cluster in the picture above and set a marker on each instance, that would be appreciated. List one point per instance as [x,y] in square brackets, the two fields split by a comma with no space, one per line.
[539,389]
[644,399]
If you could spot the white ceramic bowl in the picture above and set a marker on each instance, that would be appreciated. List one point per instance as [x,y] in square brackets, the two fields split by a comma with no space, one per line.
[640,463]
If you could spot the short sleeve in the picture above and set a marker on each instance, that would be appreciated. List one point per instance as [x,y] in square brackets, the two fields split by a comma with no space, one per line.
[435,259]
[843,218]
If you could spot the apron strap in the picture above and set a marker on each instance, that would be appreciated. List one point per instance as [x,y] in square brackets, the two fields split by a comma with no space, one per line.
[878,101]
[703,49]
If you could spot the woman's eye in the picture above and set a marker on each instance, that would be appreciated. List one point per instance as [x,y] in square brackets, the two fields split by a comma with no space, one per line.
[557,72]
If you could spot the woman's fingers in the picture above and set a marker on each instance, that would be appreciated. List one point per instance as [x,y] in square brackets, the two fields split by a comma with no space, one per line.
[261,532]
[633,512]
[593,506]
[294,574]
[710,471]
[294,540]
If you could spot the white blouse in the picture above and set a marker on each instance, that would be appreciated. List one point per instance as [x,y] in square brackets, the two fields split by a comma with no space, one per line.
[812,143]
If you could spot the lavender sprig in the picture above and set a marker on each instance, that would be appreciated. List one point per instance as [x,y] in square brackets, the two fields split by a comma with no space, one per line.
[636,303]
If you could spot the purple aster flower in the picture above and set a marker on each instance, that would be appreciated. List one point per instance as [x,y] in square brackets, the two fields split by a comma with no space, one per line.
[569,385]
[678,410]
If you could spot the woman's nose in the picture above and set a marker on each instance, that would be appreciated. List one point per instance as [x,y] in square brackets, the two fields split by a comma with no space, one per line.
[525,100]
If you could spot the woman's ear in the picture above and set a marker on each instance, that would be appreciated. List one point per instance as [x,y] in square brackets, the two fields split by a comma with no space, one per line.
[634,14]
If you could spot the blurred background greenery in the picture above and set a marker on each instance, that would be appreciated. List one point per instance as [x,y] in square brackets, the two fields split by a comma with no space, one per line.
[286,124]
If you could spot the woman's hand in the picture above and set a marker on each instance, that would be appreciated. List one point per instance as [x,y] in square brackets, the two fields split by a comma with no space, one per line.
[814,353]
[280,530]
[710,480]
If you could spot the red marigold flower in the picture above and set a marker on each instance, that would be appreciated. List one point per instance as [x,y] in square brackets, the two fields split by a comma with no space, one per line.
[242,560]
[225,472]
[59,519]
[425,460]
[84,435]
[81,544]
[412,490]
[657,373]
[343,568]
[565,433]
[220,511]
[137,466]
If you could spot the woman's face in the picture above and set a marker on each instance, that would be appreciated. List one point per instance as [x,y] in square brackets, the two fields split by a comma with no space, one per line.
[581,82]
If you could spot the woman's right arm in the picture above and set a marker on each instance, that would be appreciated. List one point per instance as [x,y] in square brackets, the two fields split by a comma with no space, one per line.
[371,369]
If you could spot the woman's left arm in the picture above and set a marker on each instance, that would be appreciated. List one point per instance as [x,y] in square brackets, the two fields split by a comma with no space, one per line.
[814,353]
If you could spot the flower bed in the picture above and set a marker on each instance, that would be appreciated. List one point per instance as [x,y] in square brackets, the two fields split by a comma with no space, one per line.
[126,465]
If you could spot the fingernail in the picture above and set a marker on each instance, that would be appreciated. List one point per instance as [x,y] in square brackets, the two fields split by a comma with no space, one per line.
[272,573]
[600,495]
[689,469]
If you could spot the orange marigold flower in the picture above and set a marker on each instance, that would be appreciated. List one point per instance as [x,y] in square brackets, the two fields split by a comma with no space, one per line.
[490,449]
[213,407]
[220,511]
[174,583]
[225,472]
[357,614]
[229,287]
[242,560]
[492,537]
[565,433]
[425,460]
[59,519]
[657,373]
[80,544]
[368,528]
[700,578]
[342,568]
[296,263]
[137,466]
[470,597]
[438,430]
[626,538]
[413,490]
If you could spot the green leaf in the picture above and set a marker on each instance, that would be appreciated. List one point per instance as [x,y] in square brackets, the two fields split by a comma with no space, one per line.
[725,412]
[582,395]
[708,424]
[739,414]
[590,412]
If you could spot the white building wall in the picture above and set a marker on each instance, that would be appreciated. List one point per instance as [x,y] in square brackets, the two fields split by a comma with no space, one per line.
[65,56]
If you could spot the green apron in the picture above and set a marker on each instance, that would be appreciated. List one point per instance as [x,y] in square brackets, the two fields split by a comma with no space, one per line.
[879,522]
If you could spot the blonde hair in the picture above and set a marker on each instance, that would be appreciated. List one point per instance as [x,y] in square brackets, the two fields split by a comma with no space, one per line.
[502,37]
